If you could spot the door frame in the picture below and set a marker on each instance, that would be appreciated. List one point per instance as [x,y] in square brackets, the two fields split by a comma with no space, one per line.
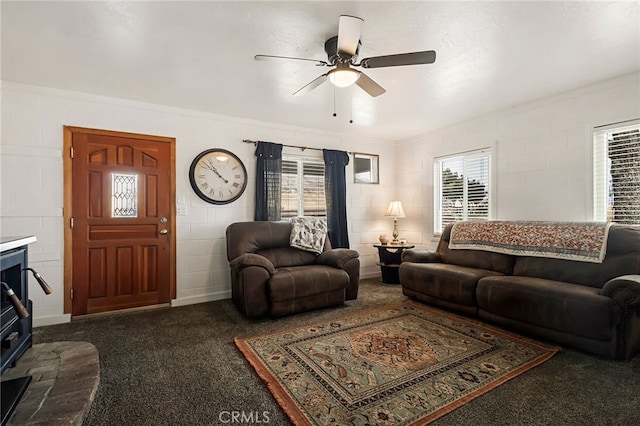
[67,156]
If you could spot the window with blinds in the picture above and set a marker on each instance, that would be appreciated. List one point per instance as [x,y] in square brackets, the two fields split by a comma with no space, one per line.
[302,188]
[462,188]
[616,173]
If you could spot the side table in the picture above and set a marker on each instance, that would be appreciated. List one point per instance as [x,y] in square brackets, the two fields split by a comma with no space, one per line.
[390,260]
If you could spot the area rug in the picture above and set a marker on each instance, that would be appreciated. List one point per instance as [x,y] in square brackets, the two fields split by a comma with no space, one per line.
[401,365]
[581,241]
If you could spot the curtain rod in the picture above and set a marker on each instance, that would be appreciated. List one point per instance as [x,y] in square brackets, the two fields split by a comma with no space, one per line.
[289,146]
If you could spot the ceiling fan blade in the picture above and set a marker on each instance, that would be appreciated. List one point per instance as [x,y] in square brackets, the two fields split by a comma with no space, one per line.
[309,87]
[271,57]
[349,30]
[414,58]
[369,86]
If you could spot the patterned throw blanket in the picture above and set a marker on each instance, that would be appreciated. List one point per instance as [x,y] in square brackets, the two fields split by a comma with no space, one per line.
[582,241]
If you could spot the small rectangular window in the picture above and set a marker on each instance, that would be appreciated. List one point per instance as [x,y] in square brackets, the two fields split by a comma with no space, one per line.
[365,168]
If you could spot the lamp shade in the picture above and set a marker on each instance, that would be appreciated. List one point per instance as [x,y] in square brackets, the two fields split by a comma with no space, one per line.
[395,209]
[343,77]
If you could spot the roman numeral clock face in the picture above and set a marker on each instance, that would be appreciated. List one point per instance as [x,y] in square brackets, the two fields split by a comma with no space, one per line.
[218,176]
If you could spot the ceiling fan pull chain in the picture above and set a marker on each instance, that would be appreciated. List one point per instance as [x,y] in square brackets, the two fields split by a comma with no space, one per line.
[351,104]
[334,101]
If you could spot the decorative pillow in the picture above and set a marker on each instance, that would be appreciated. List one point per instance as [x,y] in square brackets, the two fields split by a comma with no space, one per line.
[308,233]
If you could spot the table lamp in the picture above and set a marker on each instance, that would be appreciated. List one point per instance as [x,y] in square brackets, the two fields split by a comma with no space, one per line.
[395,209]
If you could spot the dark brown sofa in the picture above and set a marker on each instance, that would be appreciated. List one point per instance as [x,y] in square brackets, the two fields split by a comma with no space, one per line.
[271,278]
[594,307]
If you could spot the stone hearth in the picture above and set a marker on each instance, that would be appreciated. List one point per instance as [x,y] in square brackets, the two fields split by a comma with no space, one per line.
[65,377]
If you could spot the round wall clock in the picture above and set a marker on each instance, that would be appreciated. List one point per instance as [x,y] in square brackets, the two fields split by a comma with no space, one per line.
[218,176]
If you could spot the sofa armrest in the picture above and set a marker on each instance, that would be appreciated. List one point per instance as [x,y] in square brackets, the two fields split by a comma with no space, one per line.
[337,257]
[420,256]
[625,290]
[251,259]
[349,261]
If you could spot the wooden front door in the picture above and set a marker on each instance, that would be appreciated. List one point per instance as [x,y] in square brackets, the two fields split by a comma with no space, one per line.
[122,218]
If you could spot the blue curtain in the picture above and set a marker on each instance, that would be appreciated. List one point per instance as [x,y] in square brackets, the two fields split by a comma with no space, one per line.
[335,189]
[268,180]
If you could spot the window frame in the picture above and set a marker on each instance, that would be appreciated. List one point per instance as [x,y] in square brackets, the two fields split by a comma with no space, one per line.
[374,164]
[487,152]
[301,160]
[600,186]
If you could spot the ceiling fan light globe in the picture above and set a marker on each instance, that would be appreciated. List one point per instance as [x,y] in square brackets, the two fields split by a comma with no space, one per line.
[343,77]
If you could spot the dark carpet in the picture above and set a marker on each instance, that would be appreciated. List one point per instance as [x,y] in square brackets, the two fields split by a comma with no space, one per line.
[179,366]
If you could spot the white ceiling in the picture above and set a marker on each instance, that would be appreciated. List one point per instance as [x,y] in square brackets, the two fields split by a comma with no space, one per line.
[199,55]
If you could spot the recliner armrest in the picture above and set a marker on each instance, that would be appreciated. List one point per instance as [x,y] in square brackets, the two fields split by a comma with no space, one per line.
[251,259]
[420,256]
[337,257]
[625,290]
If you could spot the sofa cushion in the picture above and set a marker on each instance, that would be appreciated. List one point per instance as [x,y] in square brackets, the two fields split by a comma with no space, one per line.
[622,258]
[473,258]
[298,282]
[453,283]
[623,239]
[288,256]
[251,237]
[583,273]
[570,308]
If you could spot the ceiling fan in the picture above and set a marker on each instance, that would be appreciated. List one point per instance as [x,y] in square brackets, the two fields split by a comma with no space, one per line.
[342,52]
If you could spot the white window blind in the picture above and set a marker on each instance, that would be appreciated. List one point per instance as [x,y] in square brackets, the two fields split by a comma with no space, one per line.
[302,188]
[462,188]
[616,173]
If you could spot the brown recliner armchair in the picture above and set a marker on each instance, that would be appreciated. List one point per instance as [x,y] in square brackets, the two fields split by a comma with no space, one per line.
[271,278]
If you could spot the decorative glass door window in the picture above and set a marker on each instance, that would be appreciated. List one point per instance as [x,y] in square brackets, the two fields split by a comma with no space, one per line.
[124,195]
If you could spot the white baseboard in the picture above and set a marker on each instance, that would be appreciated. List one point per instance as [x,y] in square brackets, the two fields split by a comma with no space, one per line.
[51,320]
[192,300]
[370,275]
[183,301]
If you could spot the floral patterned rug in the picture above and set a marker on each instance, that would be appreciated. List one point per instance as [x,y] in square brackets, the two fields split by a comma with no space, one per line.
[399,365]
[581,241]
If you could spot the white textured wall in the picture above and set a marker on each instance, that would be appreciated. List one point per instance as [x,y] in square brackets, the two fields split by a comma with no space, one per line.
[542,156]
[542,163]
[31,183]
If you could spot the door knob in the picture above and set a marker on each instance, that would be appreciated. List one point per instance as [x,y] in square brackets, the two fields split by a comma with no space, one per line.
[164,231]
